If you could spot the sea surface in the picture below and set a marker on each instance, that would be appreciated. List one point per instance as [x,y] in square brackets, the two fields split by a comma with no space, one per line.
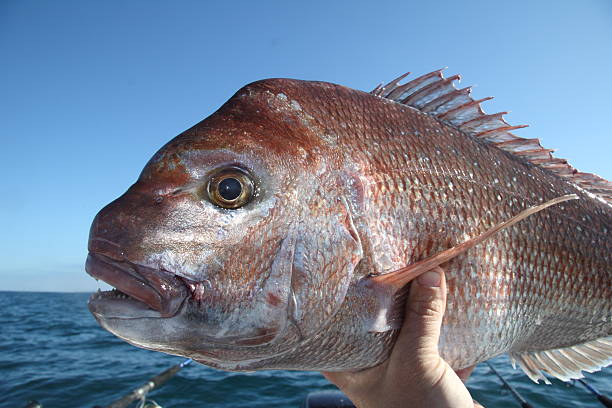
[53,351]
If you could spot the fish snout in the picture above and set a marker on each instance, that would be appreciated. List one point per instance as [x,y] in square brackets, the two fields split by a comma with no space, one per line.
[118,228]
[117,252]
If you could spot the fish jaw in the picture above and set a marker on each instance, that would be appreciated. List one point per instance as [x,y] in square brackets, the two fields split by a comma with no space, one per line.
[157,310]
[164,307]
[161,291]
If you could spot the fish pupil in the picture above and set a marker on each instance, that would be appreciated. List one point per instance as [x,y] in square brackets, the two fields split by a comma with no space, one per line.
[230,188]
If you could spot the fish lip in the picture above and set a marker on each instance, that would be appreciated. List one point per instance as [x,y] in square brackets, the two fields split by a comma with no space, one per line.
[107,306]
[160,290]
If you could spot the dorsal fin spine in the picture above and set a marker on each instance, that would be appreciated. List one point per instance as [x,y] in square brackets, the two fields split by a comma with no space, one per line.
[434,106]
[429,90]
[454,115]
[547,160]
[505,129]
[414,85]
[483,118]
[483,123]
[384,90]
[437,96]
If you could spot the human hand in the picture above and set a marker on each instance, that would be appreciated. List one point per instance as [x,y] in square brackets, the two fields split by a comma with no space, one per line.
[414,375]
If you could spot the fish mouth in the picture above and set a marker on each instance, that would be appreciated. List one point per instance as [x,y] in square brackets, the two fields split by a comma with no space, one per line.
[139,291]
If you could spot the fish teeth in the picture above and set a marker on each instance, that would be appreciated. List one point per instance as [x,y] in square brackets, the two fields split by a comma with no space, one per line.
[119,295]
[112,294]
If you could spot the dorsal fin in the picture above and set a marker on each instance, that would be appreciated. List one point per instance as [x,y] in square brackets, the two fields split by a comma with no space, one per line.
[437,96]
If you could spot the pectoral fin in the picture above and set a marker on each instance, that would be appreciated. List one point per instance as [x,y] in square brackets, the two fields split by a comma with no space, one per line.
[387,289]
[402,276]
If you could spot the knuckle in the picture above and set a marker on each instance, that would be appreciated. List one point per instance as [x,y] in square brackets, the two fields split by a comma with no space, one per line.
[427,308]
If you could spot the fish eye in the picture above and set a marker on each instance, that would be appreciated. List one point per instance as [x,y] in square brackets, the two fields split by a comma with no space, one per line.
[230,188]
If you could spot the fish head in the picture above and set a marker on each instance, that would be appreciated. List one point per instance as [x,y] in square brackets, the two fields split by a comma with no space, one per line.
[237,242]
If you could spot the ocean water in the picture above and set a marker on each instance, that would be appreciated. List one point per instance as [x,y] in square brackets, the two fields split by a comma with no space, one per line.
[53,351]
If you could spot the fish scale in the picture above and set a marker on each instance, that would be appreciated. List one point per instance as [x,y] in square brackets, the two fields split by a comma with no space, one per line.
[485,166]
[352,189]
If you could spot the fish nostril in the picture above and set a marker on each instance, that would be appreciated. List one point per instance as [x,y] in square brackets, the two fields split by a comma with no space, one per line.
[106,247]
[106,241]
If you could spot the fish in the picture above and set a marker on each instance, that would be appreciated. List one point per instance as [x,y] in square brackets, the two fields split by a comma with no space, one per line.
[282,232]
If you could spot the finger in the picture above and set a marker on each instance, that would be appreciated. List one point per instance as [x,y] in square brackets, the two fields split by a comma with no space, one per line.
[464,373]
[336,378]
[354,385]
[424,312]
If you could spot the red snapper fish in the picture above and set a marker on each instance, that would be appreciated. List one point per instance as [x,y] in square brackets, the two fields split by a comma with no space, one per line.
[282,232]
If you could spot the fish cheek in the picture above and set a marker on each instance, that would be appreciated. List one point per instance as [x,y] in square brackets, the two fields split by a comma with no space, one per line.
[309,275]
[326,254]
[245,302]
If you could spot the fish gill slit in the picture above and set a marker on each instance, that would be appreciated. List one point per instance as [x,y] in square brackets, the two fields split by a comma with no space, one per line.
[292,301]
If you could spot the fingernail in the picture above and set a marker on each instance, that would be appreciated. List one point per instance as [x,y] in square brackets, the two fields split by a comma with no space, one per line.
[429,279]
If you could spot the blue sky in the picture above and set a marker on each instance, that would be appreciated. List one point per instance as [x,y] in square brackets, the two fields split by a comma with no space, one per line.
[90,90]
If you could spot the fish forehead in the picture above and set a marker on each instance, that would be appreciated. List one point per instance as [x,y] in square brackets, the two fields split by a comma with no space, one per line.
[278,119]
[263,128]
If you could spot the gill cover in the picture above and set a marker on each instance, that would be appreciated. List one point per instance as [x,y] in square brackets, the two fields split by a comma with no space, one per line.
[312,269]
[321,252]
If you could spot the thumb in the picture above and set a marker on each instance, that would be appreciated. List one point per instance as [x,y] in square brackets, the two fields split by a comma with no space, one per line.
[425,308]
